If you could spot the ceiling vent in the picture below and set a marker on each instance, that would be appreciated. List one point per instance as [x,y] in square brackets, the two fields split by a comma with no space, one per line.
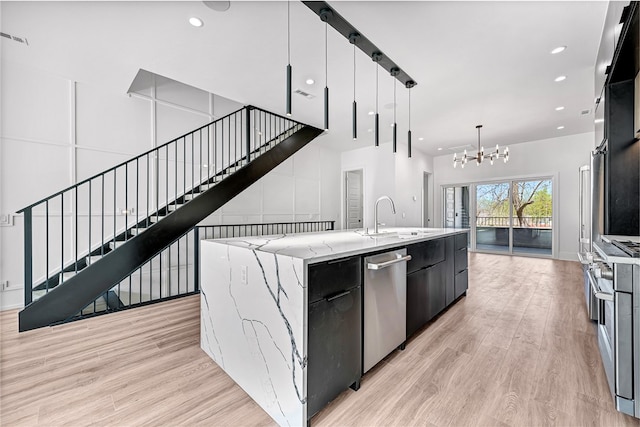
[585,112]
[22,40]
[305,94]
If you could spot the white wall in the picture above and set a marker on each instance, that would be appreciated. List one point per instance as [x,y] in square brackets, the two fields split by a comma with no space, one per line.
[56,131]
[303,188]
[557,157]
[389,174]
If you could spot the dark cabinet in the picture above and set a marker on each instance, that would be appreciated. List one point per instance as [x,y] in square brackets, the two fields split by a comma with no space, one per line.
[425,254]
[461,283]
[436,290]
[416,301]
[437,276]
[335,331]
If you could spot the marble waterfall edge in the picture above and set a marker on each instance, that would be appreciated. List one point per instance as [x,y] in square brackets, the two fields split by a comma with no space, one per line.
[253,324]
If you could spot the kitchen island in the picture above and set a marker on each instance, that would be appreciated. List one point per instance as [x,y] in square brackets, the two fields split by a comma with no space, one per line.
[282,315]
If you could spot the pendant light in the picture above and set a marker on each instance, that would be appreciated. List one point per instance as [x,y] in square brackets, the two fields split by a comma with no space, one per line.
[481,155]
[394,72]
[376,57]
[288,58]
[325,15]
[353,39]
[409,85]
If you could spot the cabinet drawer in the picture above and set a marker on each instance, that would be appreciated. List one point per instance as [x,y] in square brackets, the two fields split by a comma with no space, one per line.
[332,277]
[461,240]
[425,254]
[461,283]
[335,348]
[461,260]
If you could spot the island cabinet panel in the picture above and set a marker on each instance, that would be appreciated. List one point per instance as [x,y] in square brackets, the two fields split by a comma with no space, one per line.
[417,315]
[335,331]
[461,263]
[450,269]
[425,254]
[436,277]
[331,277]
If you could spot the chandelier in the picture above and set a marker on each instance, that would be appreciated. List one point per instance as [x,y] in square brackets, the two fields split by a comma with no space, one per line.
[494,155]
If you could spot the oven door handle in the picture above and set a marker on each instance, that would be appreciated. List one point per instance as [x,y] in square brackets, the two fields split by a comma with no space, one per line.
[604,296]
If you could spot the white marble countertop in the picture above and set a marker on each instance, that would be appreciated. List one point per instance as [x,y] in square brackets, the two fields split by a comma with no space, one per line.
[329,245]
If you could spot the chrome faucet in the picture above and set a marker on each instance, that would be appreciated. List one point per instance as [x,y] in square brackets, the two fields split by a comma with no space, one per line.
[375,212]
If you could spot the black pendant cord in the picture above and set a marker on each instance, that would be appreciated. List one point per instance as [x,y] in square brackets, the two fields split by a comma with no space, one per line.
[326,78]
[288,58]
[409,132]
[395,124]
[377,119]
[355,105]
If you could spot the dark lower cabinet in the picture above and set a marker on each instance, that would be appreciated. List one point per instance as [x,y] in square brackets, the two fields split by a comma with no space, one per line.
[416,301]
[334,331]
[436,290]
[437,279]
[461,283]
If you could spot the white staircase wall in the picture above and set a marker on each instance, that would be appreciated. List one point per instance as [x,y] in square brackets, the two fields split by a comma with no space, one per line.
[82,129]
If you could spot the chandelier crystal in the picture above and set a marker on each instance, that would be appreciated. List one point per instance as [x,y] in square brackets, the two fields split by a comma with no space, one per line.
[494,155]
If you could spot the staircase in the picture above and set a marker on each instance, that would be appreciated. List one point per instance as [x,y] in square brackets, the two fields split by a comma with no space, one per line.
[99,256]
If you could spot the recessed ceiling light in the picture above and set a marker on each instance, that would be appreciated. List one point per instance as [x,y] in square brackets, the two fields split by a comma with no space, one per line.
[560,127]
[196,22]
[439,148]
[371,113]
[310,81]
[420,139]
[559,108]
[560,78]
[558,50]
[598,121]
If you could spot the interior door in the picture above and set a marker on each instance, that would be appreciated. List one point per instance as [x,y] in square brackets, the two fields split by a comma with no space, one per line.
[353,199]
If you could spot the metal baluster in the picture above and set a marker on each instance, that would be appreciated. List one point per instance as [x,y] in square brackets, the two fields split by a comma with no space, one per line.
[76,230]
[186,262]
[248,135]
[89,221]
[114,206]
[184,171]
[166,189]
[137,195]
[150,276]
[196,259]
[28,254]
[222,148]
[46,232]
[102,218]
[61,278]
[178,272]
[147,176]
[175,192]
[126,202]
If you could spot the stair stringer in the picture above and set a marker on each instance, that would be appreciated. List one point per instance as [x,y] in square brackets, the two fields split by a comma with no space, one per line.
[69,298]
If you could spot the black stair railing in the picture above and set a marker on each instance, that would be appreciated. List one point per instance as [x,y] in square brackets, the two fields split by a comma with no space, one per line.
[174,272]
[85,223]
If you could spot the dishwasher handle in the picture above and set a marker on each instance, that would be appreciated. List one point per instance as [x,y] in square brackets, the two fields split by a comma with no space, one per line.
[380,266]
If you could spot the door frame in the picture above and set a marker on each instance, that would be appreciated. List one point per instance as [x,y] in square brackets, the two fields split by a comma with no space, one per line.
[429,190]
[553,176]
[343,203]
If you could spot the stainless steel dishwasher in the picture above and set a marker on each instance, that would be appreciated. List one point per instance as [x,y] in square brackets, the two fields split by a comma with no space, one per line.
[385,305]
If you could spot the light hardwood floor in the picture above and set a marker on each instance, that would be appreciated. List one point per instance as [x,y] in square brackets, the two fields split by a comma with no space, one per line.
[517,351]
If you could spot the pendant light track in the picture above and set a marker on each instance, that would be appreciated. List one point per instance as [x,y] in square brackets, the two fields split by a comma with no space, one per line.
[345,28]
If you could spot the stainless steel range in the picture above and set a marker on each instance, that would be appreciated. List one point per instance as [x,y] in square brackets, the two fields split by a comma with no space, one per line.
[614,279]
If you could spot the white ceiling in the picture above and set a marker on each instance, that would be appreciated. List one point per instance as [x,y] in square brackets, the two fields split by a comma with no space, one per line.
[475,62]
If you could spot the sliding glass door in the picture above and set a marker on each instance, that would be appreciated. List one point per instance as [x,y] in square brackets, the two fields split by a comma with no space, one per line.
[493,217]
[532,216]
[513,216]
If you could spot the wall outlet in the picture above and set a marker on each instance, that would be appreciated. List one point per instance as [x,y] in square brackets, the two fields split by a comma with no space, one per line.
[5,285]
[244,274]
[6,220]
